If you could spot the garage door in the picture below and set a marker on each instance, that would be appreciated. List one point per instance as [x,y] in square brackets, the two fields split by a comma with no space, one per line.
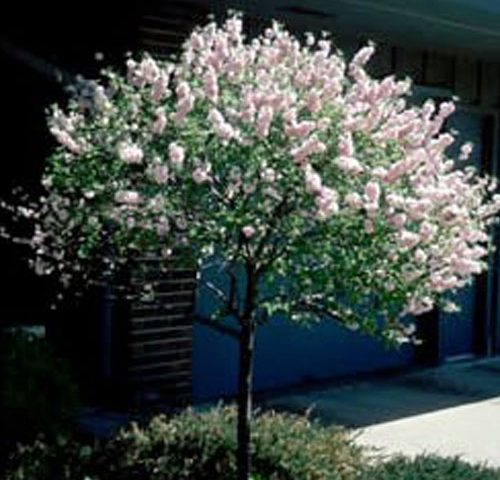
[457,331]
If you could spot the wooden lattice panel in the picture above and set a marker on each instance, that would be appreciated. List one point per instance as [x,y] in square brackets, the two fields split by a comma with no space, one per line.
[166,24]
[160,337]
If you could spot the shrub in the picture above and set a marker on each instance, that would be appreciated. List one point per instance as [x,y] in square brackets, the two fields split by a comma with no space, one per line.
[292,447]
[59,459]
[37,392]
[202,446]
[198,446]
[429,467]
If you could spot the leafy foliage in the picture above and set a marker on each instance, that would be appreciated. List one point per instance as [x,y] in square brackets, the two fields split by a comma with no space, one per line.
[37,391]
[198,446]
[429,467]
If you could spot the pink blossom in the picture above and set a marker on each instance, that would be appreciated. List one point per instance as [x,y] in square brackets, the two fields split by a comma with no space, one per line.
[371,209]
[354,200]
[225,131]
[362,56]
[417,209]
[196,41]
[222,128]
[411,274]
[379,172]
[248,114]
[452,214]
[428,108]
[478,252]
[465,151]
[162,226]
[130,153]
[131,69]
[130,222]
[446,109]
[157,203]
[248,231]
[450,307]
[210,85]
[160,174]
[396,171]
[439,145]
[372,191]
[408,239]
[183,90]
[264,119]
[160,86]
[420,256]
[420,306]
[472,236]
[309,147]
[129,197]
[149,69]
[234,27]
[346,145]
[314,102]
[160,122]
[440,283]
[300,130]
[101,100]
[369,226]
[398,220]
[176,154]
[326,201]
[290,117]
[184,106]
[302,79]
[299,154]
[64,138]
[202,174]
[390,287]
[466,266]
[268,175]
[313,181]
[349,165]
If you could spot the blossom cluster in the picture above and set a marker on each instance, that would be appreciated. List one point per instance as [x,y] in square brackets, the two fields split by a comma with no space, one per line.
[278,153]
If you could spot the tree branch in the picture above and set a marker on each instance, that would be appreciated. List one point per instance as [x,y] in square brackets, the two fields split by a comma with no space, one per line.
[318,310]
[282,209]
[218,326]
[229,301]
[215,290]
[233,298]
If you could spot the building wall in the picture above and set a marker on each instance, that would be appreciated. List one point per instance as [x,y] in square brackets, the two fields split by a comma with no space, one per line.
[286,355]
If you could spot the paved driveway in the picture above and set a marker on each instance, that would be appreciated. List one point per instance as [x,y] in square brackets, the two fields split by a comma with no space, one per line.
[450,410]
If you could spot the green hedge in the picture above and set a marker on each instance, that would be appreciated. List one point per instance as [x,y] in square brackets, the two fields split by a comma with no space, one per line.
[429,467]
[198,446]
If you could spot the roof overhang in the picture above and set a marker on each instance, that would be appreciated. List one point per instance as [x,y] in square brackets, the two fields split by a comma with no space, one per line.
[458,25]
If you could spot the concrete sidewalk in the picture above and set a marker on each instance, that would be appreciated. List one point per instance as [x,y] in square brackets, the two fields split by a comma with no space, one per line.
[450,410]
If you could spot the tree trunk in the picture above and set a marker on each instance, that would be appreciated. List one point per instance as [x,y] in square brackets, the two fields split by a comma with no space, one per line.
[245,399]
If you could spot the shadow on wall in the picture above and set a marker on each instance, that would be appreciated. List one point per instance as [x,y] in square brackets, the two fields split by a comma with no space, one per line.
[286,355]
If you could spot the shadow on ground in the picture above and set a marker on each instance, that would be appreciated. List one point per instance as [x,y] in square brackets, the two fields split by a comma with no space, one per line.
[362,403]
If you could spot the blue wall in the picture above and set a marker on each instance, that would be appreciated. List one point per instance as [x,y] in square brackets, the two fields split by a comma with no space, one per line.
[287,354]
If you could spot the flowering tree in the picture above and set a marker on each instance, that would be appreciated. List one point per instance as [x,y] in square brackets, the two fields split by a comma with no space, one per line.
[323,194]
